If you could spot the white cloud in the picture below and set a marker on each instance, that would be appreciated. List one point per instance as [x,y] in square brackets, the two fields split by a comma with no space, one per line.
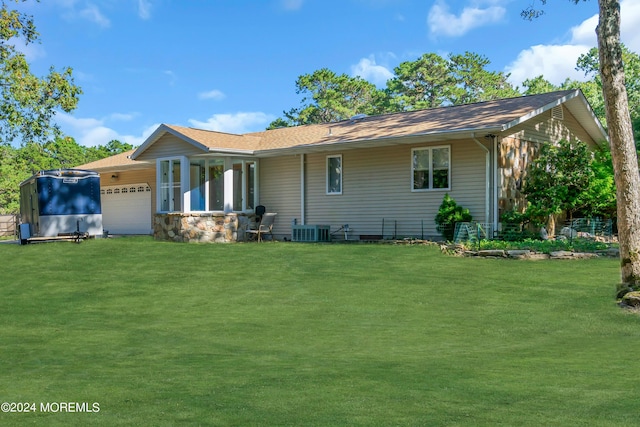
[585,33]
[442,22]
[91,132]
[92,13]
[558,62]
[89,10]
[31,51]
[123,117]
[172,77]
[554,62]
[292,4]
[237,123]
[369,70]
[144,9]
[630,16]
[212,94]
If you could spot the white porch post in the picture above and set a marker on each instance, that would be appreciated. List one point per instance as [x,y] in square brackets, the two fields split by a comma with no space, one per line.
[496,206]
[185,184]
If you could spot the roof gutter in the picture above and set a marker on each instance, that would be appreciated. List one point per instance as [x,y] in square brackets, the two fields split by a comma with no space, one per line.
[231,151]
[390,140]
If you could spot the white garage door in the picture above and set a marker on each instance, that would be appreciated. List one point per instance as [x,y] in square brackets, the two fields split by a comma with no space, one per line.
[126,209]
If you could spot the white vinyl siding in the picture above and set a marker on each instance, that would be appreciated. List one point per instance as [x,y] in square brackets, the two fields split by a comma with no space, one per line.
[547,128]
[169,146]
[280,190]
[378,189]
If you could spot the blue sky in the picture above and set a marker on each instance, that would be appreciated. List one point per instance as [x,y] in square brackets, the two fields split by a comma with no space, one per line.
[231,65]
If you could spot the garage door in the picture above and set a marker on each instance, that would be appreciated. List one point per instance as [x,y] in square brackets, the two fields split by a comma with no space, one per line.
[126,209]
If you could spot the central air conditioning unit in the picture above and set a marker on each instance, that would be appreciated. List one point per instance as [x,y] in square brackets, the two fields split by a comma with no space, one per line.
[311,233]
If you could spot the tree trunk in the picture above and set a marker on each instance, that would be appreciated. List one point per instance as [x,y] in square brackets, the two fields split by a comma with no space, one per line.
[623,150]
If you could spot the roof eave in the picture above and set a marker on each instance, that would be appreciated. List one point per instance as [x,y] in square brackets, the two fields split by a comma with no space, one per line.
[596,131]
[122,168]
[423,137]
[231,151]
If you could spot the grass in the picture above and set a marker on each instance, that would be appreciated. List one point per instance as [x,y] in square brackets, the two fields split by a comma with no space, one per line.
[317,335]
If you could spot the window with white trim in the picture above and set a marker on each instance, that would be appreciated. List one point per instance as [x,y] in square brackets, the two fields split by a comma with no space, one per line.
[170,192]
[216,185]
[334,174]
[244,185]
[431,168]
[197,181]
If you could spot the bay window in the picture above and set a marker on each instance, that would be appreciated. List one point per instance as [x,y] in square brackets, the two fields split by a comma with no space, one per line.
[206,184]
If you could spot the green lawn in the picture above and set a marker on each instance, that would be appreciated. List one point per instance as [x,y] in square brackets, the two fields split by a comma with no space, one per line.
[315,335]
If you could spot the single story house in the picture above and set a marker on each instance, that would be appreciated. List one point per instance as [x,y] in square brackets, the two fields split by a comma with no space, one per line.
[382,175]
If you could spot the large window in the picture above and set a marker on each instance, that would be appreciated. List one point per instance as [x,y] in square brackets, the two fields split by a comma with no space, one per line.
[213,184]
[197,180]
[250,184]
[170,194]
[431,169]
[334,174]
[216,185]
[244,185]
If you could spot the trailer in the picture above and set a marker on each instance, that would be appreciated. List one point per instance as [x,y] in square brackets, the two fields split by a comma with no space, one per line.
[60,204]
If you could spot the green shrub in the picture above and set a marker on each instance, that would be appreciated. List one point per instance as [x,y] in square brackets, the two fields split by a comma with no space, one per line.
[448,215]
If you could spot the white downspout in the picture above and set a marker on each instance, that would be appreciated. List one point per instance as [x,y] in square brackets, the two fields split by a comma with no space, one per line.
[302,193]
[487,177]
[496,220]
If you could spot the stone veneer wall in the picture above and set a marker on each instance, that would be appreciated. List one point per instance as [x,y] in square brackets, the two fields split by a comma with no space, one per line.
[200,227]
[514,158]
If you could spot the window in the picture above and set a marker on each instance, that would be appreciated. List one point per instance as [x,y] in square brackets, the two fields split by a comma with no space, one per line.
[250,184]
[237,186]
[170,192]
[430,168]
[216,185]
[211,184]
[197,178]
[244,185]
[334,174]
